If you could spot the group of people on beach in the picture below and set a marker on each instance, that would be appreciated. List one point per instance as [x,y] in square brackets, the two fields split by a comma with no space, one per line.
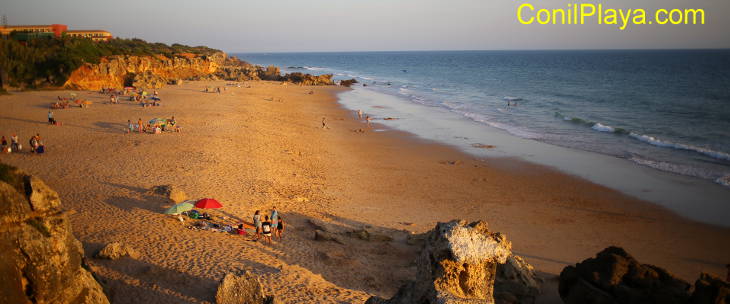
[269,225]
[35,142]
[157,128]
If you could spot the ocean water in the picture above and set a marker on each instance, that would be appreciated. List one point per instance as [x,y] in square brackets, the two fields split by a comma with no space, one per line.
[664,110]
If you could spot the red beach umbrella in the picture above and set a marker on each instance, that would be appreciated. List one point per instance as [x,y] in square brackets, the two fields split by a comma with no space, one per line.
[208,203]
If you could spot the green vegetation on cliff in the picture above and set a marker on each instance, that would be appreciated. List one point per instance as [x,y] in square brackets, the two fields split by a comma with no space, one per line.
[49,61]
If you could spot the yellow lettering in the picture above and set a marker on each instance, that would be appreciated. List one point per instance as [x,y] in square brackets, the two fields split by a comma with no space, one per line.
[545,19]
[519,13]
[584,13]
[610,16]
[639,16]
[658,18]
[694,13]
[624,18]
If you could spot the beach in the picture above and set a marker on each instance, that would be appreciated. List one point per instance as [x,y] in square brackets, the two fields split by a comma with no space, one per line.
[264,146]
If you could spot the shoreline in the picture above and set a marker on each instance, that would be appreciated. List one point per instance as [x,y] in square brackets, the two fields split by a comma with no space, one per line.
[251,151]
[666,189]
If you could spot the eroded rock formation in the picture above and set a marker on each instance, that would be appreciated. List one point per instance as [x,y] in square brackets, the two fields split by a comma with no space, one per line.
[614,276]
[153,72]
[40,260]
[516,282]
[243,289]
[457,265]
[143,71]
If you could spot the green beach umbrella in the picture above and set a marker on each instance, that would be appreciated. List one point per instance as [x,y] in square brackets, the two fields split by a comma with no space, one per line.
[179,208]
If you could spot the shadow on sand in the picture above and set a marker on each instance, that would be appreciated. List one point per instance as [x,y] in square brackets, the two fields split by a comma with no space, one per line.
[128,280]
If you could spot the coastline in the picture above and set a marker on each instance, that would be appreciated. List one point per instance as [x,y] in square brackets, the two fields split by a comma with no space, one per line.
[676,192]
[251,153]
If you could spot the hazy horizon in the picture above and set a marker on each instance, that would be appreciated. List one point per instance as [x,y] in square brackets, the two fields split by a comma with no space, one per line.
[379,25]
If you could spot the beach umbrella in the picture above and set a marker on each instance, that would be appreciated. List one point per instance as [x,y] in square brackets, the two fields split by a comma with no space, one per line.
[208,203]
[158,121]
[179,208]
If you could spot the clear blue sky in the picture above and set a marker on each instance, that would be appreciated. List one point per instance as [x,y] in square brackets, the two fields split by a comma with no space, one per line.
[367,25]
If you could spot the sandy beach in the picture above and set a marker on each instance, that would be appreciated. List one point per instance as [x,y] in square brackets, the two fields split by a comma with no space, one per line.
[264,146]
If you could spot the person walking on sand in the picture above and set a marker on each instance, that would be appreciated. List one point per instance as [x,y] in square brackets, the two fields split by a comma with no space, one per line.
[279,228]
[266,229]
[274,217]
[257,223]
[140,127]
[368,119]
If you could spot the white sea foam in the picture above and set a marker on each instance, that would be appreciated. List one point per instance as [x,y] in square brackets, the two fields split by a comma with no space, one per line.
[725,180]
[520,132]
[673,168]
[512,98]
[603,128]
[668,144]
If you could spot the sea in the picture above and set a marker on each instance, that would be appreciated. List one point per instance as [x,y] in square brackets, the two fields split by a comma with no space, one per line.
[663,110]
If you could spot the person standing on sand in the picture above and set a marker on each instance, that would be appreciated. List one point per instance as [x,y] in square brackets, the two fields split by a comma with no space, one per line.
[359,114]
[279,228]
[14,143]
[50,118]
[139,125]
[4,144]
[257,223]
[274,217]
[266,229]
[368,119]
[130,126]
[324,123]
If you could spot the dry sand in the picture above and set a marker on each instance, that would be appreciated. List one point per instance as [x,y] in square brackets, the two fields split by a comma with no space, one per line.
[254,148]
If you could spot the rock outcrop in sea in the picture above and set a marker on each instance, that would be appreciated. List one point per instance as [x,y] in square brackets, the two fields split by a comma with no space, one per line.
[40,260]
[458,264]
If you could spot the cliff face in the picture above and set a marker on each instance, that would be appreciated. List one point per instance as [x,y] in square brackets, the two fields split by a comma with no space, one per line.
[40,260]
[155,71]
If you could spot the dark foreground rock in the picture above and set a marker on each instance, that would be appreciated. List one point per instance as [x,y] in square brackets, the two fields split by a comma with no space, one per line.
[457,265]
[241,289]
[711,290]
[614,276]
[40,260]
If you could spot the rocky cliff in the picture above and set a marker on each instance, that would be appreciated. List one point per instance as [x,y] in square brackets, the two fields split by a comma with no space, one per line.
[157,71]
[120,71]
[40,260]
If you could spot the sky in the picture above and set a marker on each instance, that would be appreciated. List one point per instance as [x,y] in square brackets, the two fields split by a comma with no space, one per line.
[369,25]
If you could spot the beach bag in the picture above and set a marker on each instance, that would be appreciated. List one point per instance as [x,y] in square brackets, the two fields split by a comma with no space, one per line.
[40,149]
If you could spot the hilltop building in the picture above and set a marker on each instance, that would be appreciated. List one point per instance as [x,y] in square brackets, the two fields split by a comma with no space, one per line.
[26,32]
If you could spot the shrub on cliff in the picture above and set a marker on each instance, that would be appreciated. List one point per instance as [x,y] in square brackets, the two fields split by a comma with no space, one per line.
[49,61]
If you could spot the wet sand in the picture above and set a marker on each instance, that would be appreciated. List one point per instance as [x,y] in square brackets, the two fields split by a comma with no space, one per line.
[254,148]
